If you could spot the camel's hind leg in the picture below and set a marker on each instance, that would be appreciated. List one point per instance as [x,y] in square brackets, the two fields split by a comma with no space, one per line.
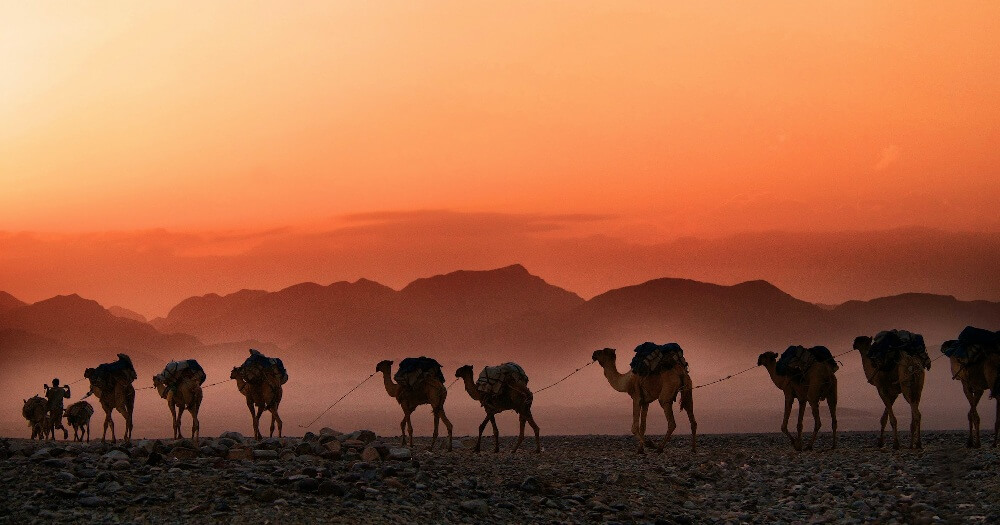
[129,410]
[275,419]
[448,426]
[402,429]
[195,424]
[668,410]
[108,423]
[814,405]
[482,427]
[496,434]
[831,402]
[175,420]
[526,417]
[521,420]
[893,422]
[798,426]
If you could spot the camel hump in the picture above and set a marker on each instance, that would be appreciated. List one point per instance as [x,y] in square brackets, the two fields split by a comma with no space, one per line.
[493,379]
[118,371]
[651,358]
[414,371]
[973,345]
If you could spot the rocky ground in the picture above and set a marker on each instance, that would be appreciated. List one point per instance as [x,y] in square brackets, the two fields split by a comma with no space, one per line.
[358,477]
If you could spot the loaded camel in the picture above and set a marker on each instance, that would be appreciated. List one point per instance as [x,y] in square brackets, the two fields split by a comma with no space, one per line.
[818,383]
[906,377]
[976,363]
[501,388]
[78,416]
[180,384]
[414,388]
[259,379]
[111,383]
[36,412]
[662,387]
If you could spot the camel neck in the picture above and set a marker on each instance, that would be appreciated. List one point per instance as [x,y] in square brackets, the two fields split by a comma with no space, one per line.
[391,388]
[772,371]
[867,365]
[470,387]
[617,380]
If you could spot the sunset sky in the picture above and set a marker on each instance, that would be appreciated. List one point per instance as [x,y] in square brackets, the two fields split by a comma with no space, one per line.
[342,139]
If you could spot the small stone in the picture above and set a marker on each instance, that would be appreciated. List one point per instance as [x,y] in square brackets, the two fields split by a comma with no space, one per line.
[116,455]
[239,454]
[183,453]
[91,501]
[235,436]
[264,454]
[331,488]
[474,506]
[307,485]
[265,494]
[370,455]
[327,431]
[333,446]
[121,465]
[400,454]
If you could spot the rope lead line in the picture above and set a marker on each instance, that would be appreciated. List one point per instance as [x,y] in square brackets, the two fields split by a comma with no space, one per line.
[338,401]
[567,377]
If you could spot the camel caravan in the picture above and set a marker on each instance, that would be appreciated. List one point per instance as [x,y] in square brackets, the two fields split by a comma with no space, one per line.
[894,362]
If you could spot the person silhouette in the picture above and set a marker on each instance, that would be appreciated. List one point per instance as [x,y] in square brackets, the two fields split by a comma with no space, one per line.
[55,394]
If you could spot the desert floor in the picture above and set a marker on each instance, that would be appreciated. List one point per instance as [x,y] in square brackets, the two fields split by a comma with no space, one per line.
[332,477]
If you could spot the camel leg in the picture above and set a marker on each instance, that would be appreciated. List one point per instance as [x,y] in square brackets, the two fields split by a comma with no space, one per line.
[496,434]
[482,427]
[831,402]
[253,418]
[882,422]
[257,413]
[895,428]
[668,410]
[814,405]
[642,426]
[434,435]
[973,397]
[108,423]
[275,419]
[784,422]
[127,436]
[129,410]
[996,426]
[798,427]
[409,428]
[402,430]
[448,426]
[636,411]
[538,440]
[915,424]
[195,425]
[174,420]
[521,420]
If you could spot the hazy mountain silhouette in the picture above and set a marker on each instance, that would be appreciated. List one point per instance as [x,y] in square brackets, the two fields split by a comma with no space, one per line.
[119,311]
[8,302]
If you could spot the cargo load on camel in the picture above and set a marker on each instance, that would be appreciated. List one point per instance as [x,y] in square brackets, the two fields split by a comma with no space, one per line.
[889,346]
[651,358]
[415,371]
[972,345]
[494,379]
[106,376]
[795,361]
[177,373]
[259,367]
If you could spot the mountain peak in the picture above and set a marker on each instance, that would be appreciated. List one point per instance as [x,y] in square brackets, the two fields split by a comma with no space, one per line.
[8,302]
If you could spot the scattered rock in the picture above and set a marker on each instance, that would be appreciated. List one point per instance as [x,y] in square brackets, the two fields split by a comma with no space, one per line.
[474,506]
[400,454]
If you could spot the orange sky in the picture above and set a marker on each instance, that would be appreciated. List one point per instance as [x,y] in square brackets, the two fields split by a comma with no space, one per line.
[675,118]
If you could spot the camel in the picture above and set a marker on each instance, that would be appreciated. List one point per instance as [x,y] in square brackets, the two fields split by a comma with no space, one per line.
[259,379]
[643,390]
[78,416]
[36,412]
[976,378]
[431,391]
[512,396]
[111,383]
[820,383]
[183,395]
[906,378]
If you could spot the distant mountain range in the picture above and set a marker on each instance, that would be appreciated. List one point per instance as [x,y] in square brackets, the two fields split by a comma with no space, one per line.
[484,316]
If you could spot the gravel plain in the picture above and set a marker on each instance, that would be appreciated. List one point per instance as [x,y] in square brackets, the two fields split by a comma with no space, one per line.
[361,478]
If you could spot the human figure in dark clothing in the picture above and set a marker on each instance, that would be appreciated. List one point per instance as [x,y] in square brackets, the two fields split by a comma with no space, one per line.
[55,394]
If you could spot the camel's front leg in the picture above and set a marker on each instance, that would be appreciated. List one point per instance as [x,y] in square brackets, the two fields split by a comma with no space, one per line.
[496,434]
[996,426]
[784,422]
[109,423]
[534,426]
[636,414]
[668,410]
[521,420]
[642,426]
[174,420]
[402,430]
[882,423]
[482,427]
[816,423]
[275,419]
[798,426]
[973,397]
[434,435]
[894,423]
[195,425]
[915,425]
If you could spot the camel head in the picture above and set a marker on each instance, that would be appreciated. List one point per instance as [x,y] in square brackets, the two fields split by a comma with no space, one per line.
[603,356]
[862,343]
[465,371]
[384,366]
[235,374]
[161,387]
[767,358]
[89,373]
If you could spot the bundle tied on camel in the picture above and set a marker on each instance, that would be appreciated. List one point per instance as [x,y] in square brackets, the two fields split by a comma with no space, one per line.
[795,361]
[494,379]
[972,345]
[177,373]
[260,368]
[888,347]
[36,412]
[415,371]
[106,376]
[651,358]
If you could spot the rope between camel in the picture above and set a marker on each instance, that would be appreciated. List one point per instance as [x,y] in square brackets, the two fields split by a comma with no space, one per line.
[567,377]
[338,401]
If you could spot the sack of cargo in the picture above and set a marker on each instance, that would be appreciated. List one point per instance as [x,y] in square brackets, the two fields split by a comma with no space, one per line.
[415,371]
[651,358]
[493,379]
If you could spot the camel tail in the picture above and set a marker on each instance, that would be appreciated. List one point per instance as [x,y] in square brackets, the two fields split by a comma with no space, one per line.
[687,395]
